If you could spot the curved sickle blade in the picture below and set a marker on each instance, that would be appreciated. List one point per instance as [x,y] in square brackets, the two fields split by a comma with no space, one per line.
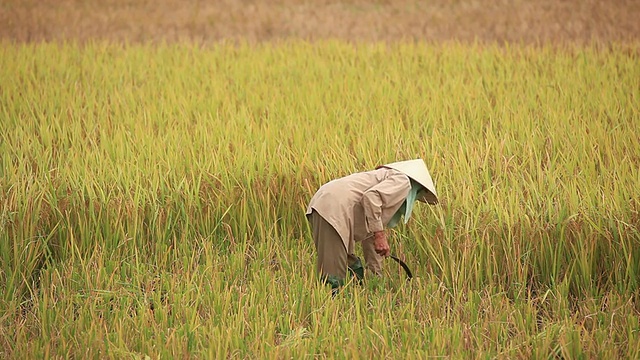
[404,266]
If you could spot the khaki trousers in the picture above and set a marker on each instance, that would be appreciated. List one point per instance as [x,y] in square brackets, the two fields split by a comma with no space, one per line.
[333,258]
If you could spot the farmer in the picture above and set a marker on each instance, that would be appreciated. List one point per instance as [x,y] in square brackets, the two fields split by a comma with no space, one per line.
[356,208]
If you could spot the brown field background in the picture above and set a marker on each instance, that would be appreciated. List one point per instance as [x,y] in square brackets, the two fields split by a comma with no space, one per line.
[528,22]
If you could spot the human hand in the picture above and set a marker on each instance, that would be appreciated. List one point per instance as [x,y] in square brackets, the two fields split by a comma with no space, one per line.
[381,245]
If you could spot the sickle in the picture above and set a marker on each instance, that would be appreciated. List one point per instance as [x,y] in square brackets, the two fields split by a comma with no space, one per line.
[404,266]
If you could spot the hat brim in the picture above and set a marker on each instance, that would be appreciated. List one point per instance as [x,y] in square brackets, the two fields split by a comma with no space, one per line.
[427,197]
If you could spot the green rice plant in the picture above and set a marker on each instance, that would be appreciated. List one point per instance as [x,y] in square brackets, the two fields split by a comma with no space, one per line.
[152,199]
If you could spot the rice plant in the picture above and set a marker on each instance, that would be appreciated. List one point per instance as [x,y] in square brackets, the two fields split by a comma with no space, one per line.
[152,199]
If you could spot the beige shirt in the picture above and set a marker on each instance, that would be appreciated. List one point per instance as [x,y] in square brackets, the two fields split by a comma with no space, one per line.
[360,204]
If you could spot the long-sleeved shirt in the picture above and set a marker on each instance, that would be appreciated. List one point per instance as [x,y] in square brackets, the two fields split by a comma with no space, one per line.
[360,204]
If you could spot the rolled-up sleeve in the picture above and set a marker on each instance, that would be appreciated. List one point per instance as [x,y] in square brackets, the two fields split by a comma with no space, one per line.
[390,192]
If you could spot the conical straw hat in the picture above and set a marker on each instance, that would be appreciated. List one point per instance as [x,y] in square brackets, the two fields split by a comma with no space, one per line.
[417,170]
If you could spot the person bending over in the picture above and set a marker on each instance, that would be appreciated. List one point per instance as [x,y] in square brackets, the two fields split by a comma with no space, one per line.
[358,208]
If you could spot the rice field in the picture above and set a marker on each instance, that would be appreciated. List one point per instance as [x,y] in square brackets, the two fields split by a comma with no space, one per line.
[152,199]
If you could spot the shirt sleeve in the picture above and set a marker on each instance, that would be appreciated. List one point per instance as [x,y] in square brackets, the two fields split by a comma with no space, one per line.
[390,192]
